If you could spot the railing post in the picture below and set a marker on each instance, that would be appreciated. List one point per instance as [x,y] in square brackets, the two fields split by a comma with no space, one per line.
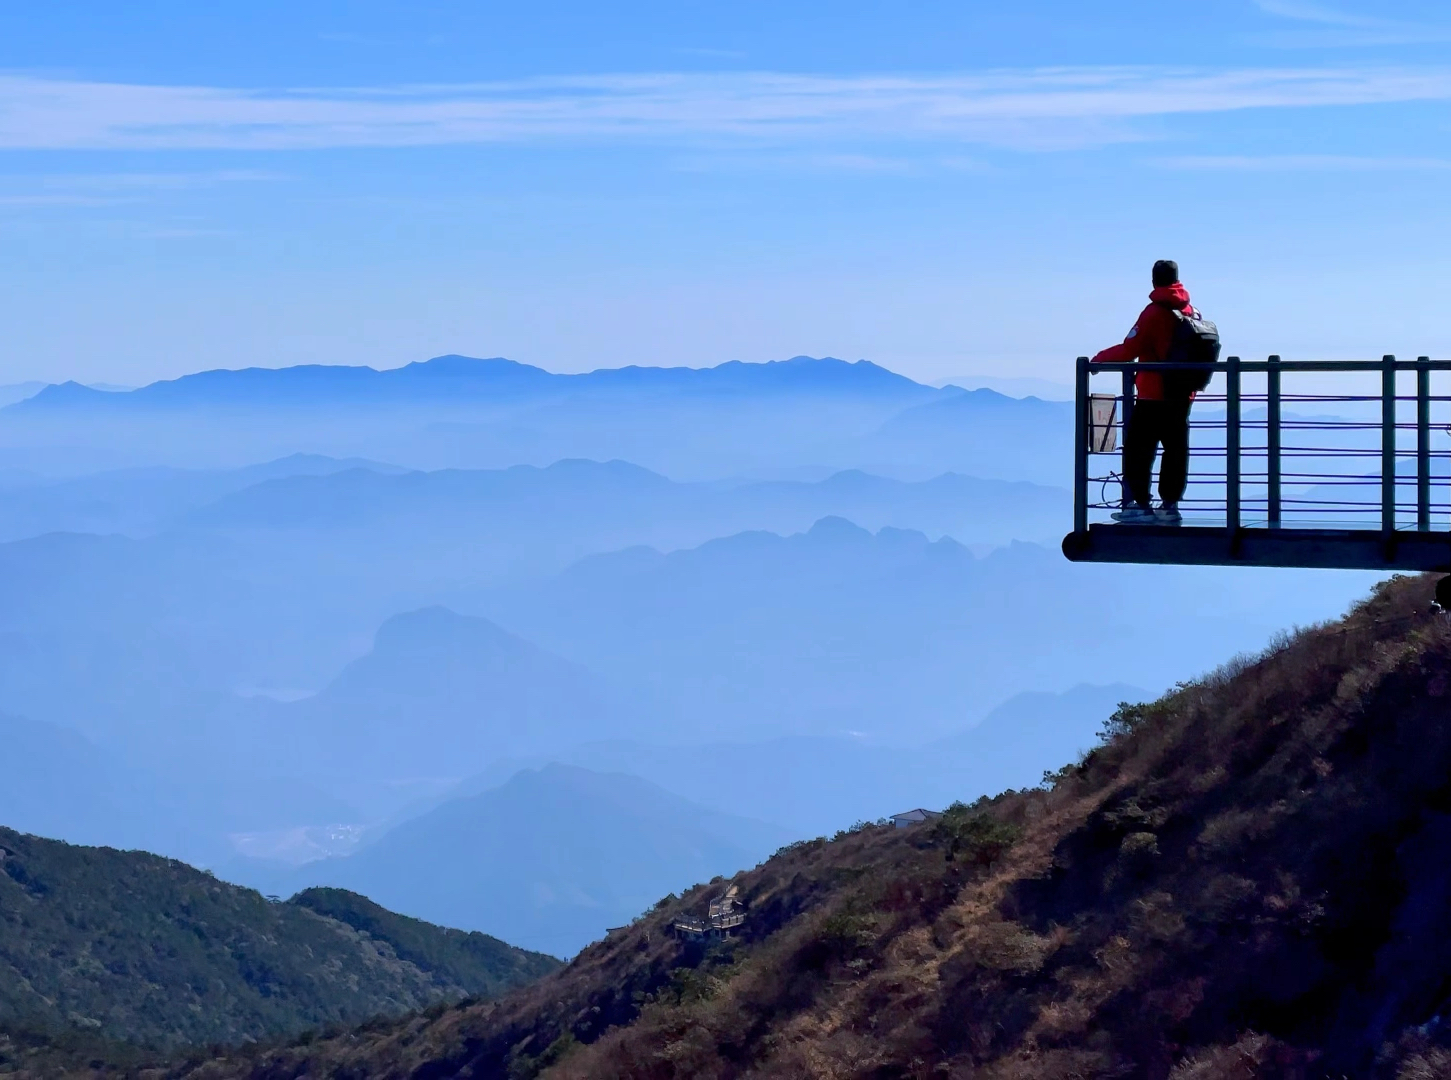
[1423,443]
[1388,450]
[1272,441]
[1125,496]
[1080,453]
[1231,448]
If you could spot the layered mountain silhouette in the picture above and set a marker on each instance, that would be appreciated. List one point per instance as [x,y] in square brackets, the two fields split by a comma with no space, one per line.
[439,687]
[451,412]
[59,783]
[551,858]
[576,505]
[143,501]
[1246,879]
[213,656]
[10,393]
[452,378]
[437,697]
[817,785]
[889,634]
[982,432]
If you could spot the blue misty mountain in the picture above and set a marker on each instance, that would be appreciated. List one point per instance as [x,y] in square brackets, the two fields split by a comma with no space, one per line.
[831,630]
[438,688]
[126,638]
[839,629]
[549,859]
[582,505]
[1037,730]
[364,497]
[57,783]
[142,501]
[818,785]
[437,696]
[60,784]
[981,432]
[13,392]
[731,420]
[455,378]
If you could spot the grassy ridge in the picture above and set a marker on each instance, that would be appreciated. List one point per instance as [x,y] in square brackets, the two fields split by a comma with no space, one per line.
[124,945]
[482,965]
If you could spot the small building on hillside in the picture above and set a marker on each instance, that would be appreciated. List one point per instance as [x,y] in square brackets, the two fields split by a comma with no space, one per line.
[914,817]
[724,915]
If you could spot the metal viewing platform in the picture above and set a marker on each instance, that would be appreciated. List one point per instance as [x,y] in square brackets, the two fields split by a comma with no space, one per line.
[1343,471]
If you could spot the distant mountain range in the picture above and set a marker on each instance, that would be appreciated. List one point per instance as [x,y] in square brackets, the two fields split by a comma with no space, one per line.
[551,858]
[59,783]
[460,412]
[617,504]
[140,948]
[998,436]
[818,785]
[889,634]
[439,687]
[10,393]
[143,501]
[749,638]
[454,378]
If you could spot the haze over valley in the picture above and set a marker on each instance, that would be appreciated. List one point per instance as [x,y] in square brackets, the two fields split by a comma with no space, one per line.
[364,628]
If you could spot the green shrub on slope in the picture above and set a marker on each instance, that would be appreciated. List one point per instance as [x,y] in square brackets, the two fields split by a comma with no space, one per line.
[127,945]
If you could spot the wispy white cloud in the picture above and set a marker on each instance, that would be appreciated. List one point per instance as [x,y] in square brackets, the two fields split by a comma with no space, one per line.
[1302,11]
[1045,108]
[1303,163]
[1325,26]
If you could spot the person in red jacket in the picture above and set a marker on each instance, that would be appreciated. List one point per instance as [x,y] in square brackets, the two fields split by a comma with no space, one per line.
[1158,417]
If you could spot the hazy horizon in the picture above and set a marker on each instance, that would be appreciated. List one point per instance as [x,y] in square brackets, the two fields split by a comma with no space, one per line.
[294,581]
[947,189]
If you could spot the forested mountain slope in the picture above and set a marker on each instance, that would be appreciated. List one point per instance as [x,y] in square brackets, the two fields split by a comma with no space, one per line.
[1248,879]
[135,947]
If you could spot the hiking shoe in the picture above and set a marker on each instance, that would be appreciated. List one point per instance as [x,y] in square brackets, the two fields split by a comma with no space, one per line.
[1168,514]
[1135,515]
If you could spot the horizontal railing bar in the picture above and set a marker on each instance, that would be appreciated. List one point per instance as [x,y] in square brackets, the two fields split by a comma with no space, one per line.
[1264,365]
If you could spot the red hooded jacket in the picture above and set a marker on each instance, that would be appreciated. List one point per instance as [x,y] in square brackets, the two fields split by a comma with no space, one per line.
[1150,338]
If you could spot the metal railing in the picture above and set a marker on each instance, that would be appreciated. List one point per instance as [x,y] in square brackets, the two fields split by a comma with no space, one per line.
[1287,446]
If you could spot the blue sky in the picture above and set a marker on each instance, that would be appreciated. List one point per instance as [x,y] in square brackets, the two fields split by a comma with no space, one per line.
[943,187]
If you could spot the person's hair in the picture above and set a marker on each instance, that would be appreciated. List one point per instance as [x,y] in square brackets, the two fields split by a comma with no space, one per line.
[1166,272]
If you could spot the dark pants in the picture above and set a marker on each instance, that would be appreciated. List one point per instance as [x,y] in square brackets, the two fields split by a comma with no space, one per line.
[1152,423]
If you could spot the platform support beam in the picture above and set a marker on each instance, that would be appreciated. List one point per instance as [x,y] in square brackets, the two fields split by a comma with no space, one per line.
[1080,454]
[1272,441]
[1127,497]
[1423,443]
[1232,446]
[1388,452]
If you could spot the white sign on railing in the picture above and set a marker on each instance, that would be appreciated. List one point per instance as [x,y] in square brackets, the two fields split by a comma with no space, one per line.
[1102,424]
